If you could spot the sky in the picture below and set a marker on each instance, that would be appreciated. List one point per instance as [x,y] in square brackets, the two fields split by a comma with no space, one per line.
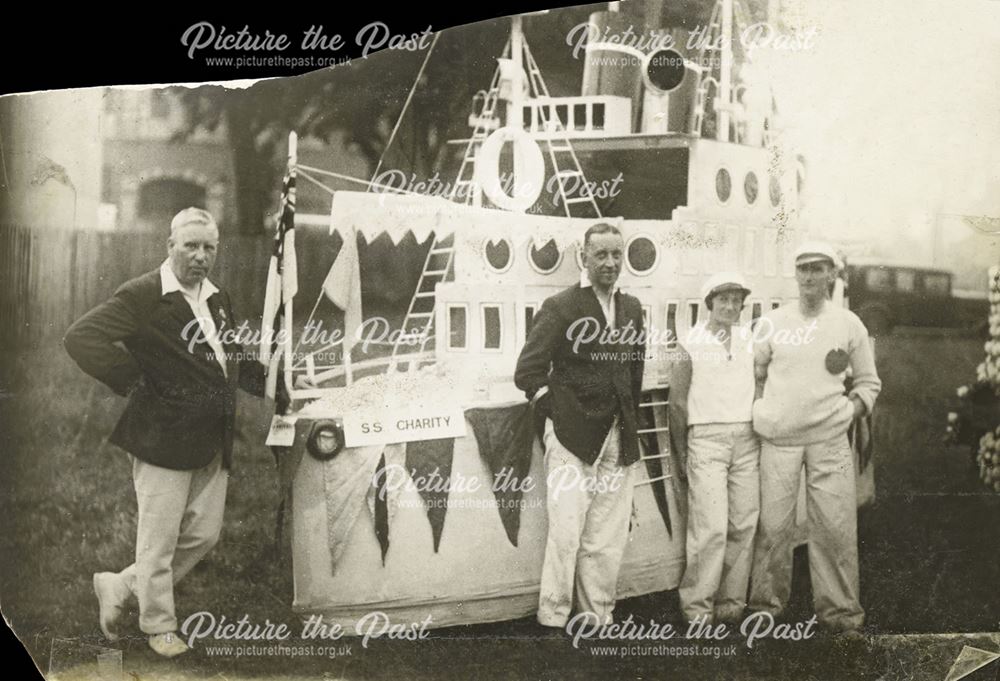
[896,107]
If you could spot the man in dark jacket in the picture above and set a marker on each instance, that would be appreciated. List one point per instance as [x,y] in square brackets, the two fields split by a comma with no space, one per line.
[582,368]
[180,368]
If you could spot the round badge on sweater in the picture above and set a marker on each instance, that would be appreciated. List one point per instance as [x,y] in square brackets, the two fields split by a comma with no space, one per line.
[837,361]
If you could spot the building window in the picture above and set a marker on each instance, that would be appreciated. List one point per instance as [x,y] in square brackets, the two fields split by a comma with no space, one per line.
[492,327]
[162,198]
[723,184]
[544,260]
[693,307]
[458,327]
[672,323]
[498,254]
[775,303]
[641,255]
[750,187]
[562,112]
[756,309]
[529,318]
[580,116]
[598,116]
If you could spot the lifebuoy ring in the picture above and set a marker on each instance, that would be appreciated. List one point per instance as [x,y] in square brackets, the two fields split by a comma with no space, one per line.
[529,169]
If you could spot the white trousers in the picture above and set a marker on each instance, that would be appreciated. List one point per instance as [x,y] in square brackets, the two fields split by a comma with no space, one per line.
[589,507]
[180,519]
[831,506]
[723,506]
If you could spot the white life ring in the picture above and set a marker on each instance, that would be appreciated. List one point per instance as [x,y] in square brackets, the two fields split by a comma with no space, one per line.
[529,169]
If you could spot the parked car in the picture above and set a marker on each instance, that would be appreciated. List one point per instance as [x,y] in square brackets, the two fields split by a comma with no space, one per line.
[886,294]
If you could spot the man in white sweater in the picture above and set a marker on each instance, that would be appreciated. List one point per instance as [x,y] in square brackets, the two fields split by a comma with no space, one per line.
[802,354]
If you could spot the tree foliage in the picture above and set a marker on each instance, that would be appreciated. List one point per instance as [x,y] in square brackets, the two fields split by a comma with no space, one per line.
[365,98]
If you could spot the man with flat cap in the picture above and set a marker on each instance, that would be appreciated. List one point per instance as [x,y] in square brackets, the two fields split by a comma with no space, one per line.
[180,367]
[587,385]
[803,351]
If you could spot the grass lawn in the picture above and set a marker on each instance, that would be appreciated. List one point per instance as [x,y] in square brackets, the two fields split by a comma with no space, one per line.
[929,547]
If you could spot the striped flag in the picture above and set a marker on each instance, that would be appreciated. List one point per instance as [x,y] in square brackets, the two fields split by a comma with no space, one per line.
[282,282]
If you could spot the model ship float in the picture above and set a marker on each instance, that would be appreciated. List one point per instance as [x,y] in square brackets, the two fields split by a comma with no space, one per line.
[672,146]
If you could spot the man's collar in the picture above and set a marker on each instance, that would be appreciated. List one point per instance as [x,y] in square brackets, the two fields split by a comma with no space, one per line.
[585,282]
[169,283]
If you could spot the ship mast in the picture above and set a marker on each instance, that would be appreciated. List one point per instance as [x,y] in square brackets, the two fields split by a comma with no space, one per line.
[724,99]
[517,71]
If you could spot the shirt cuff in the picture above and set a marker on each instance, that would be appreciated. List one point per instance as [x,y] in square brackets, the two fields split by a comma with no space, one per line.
[865,398]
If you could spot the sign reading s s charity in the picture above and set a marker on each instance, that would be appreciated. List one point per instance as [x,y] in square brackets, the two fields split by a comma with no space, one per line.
[403,425]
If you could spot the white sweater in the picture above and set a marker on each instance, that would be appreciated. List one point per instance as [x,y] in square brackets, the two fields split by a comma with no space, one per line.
[803,402]
[722,383]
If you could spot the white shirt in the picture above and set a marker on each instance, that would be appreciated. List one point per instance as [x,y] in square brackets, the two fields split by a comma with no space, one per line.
[198,301]
[722,383]
[608,306]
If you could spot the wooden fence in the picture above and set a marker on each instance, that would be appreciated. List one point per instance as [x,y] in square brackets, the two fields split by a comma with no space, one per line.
[52,277]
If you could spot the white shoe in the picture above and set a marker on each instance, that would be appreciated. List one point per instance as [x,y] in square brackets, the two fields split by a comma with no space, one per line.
[168,644]
[110,602]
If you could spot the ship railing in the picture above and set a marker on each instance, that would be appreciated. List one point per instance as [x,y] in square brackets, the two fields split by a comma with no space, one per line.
[307,385]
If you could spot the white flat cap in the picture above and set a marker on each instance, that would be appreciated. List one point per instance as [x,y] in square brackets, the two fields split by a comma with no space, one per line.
[723,281]
[817,251]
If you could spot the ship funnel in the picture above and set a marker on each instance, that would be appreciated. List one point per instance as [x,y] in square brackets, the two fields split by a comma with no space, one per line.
[654,71]
[611,67]
[670,77]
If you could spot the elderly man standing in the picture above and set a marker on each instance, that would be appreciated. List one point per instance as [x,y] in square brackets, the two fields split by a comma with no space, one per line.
[802,355]
[715,380]
[181,380]
[582,368]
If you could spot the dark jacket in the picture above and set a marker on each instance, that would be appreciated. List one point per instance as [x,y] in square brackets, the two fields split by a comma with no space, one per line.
[181,408]
[592,384]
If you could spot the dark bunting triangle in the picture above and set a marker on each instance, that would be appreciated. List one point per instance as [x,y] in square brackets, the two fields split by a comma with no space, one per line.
[429,464]
[505,438]
[654,467]
[381,508]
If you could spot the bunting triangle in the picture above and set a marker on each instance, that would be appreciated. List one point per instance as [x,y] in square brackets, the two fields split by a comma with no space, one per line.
[347,479]
[505,438]
[383,492]
[429,465]
[381,509]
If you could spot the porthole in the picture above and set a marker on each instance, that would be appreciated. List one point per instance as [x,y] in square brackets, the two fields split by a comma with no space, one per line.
[641,255]
[544,260]
[750,187]
[499,255]
[723,184]
[774,189]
